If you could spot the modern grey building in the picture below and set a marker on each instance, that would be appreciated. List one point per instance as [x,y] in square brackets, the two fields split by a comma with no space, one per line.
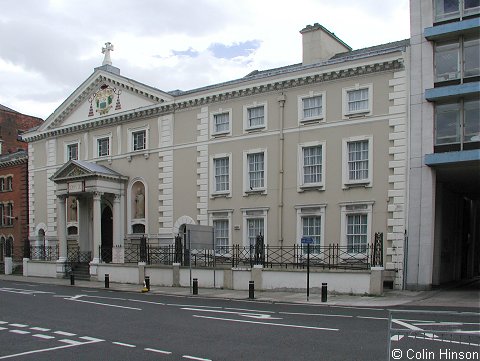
[444,146]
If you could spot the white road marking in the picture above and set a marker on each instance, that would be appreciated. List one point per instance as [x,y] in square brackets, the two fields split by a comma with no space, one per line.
[396,337]
[20,332]
[71,342]
[197,306]
[244,314]
[123,344]
[44,350]
[268,323]
[314,314]
[149,302]
[21,325]
[39,329]
[88,338]
[106,304]
[3,322]
[196,358]
[3,328]
[158,351]
[62,333]
[45,337]
[246,309]
[373,318]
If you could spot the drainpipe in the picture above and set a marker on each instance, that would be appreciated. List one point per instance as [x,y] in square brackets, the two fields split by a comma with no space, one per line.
[281,103]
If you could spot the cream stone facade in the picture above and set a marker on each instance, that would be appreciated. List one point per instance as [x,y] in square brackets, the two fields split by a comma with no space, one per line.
[315,149]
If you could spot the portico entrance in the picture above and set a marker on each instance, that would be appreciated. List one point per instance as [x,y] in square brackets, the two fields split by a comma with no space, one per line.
[100,192]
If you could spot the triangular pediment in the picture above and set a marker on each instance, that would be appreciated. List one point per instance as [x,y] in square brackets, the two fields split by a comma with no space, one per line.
[76,169]
[103,94]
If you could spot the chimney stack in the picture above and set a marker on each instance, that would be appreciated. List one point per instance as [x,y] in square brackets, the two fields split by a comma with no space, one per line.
[319,44]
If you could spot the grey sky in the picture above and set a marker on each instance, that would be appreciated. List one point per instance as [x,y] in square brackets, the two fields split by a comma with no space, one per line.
[49,47]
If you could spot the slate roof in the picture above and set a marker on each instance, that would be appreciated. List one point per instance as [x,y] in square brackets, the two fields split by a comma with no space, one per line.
[336,59]
[96,168]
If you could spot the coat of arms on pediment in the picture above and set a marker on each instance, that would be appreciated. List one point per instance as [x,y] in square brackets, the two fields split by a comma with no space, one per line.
[72,171]
[103,100]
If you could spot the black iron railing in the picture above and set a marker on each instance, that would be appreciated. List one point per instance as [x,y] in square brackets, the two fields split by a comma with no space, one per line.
[74,255]
[44,253]
[332,256]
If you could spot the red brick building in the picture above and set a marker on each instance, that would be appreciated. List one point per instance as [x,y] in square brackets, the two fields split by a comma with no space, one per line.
[14,181]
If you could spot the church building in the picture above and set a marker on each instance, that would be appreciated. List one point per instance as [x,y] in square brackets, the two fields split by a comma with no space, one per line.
[315,149]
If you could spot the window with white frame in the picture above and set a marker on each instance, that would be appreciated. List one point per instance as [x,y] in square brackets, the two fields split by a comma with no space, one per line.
[138,139]
[220,122]
[8,214]
[221,174]
[357,100]
[311,107]
[103,147]
[221,221]
[72,151]
[254,225]
[356,226]
[255,176]
[9,183]
[255,116]
[310,223]
[311,171]
[357,160]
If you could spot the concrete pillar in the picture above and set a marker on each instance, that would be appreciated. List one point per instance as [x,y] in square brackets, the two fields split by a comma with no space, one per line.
[25,266]
[257,276]
[228,279]
[141,272]
[8,265]
[176,275]
[376,281]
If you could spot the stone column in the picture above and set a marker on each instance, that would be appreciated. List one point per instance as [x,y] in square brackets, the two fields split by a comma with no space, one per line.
[62,227]
[61,235]
[97,226]
[116,220]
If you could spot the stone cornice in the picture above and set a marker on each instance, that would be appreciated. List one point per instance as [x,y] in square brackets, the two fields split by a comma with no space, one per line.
[168,107]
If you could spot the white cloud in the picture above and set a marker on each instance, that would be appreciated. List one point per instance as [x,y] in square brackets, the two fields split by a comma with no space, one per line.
[49,47]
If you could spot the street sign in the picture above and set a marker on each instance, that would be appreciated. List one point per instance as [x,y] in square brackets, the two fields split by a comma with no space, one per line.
[307,240]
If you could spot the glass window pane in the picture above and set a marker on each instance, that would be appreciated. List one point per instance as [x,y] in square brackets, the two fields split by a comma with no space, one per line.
[221,122]
[312,107]
[358,160]
[471,56]
[256,117]
[447,62]
[220,227]
[471,6]
[472,121]
[312,164]
[447,123]
[446,9]
[256,170]
[221,168]
[255,228]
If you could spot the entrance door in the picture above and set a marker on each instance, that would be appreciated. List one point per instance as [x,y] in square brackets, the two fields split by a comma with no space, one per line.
[107,234]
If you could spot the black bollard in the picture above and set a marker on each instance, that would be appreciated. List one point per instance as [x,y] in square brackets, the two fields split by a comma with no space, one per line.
[72,279]
[107,280]
[147,282]
[251,290]
[324,292]
[195,286]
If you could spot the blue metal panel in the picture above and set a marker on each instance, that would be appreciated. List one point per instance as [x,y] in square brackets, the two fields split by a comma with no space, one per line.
[458,27]
[449,91]
[452,157]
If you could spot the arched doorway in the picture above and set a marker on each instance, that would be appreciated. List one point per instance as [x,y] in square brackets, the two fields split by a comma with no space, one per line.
[107,234]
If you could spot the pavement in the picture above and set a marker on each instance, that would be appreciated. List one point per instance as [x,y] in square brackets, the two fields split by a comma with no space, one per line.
[465,294]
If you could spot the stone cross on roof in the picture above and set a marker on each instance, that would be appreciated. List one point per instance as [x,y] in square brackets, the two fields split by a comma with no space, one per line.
[106,50]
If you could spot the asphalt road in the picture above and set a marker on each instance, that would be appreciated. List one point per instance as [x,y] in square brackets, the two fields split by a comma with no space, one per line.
[53,322]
